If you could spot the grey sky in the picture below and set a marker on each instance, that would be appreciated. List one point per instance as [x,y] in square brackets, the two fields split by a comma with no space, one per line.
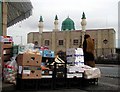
[99,14]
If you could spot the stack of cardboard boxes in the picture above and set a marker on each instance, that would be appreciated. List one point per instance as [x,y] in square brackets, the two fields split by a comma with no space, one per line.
[75,61]
[6,43]
[29,66]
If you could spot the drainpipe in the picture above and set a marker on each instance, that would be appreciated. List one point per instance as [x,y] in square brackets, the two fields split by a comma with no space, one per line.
[0,18]
[0,43]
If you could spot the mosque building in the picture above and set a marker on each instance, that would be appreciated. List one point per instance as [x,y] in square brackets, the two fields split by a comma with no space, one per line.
[69,37]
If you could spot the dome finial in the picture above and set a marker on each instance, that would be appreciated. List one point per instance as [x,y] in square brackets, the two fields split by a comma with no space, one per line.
[68,16]
[41,19]
[83,16]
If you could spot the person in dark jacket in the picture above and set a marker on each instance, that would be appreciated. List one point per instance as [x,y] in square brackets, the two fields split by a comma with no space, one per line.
[88,49]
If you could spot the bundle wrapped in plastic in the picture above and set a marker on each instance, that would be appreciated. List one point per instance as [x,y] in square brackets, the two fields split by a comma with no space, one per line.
[29,46]
[86,67]
[25,48]
[10,71]
[90,73]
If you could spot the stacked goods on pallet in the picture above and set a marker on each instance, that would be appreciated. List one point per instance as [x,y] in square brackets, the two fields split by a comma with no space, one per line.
[75,61]
[47,59]
[29,65]
[23,59]
[76,67]
[8,63]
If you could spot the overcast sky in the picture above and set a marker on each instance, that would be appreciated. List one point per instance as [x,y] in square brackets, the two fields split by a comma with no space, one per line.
[99,14]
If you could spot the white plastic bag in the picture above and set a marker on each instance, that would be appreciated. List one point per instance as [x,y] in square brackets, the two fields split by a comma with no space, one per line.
[10,70]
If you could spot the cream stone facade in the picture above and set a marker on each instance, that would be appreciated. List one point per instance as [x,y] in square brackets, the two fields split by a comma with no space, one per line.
[104,40]
[56,40]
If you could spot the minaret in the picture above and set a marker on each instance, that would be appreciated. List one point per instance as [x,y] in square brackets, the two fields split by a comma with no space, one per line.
[54,33]
[56,23]
[40,25]
[83,24]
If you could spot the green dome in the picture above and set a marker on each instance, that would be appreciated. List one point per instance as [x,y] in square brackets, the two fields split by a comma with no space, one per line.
[68,24]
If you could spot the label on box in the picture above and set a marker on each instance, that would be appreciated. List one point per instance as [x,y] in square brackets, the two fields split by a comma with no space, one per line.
[4,51]
[50,72]
[43,72]
[26,71]
[79,75]
[20,69]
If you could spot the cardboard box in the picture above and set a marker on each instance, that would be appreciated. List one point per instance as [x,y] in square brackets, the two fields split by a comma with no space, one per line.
[48,53]
[6,44]
[77,75]
[41,52]
[29,59]
[29,72]
[36,74]
[6,39]
[7,51]
[75,56]
[75,69]
[47,72]
[6,57]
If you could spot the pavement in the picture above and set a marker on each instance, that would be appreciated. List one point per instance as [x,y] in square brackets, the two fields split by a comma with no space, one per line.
[105,84]
[107,65]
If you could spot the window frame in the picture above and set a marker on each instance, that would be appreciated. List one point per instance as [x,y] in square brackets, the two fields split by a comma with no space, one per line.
[60,42]
[47,42]
[75,42]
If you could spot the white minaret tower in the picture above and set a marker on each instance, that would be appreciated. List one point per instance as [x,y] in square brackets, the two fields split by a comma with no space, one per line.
[56,23]
[83,24]
[40,25]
